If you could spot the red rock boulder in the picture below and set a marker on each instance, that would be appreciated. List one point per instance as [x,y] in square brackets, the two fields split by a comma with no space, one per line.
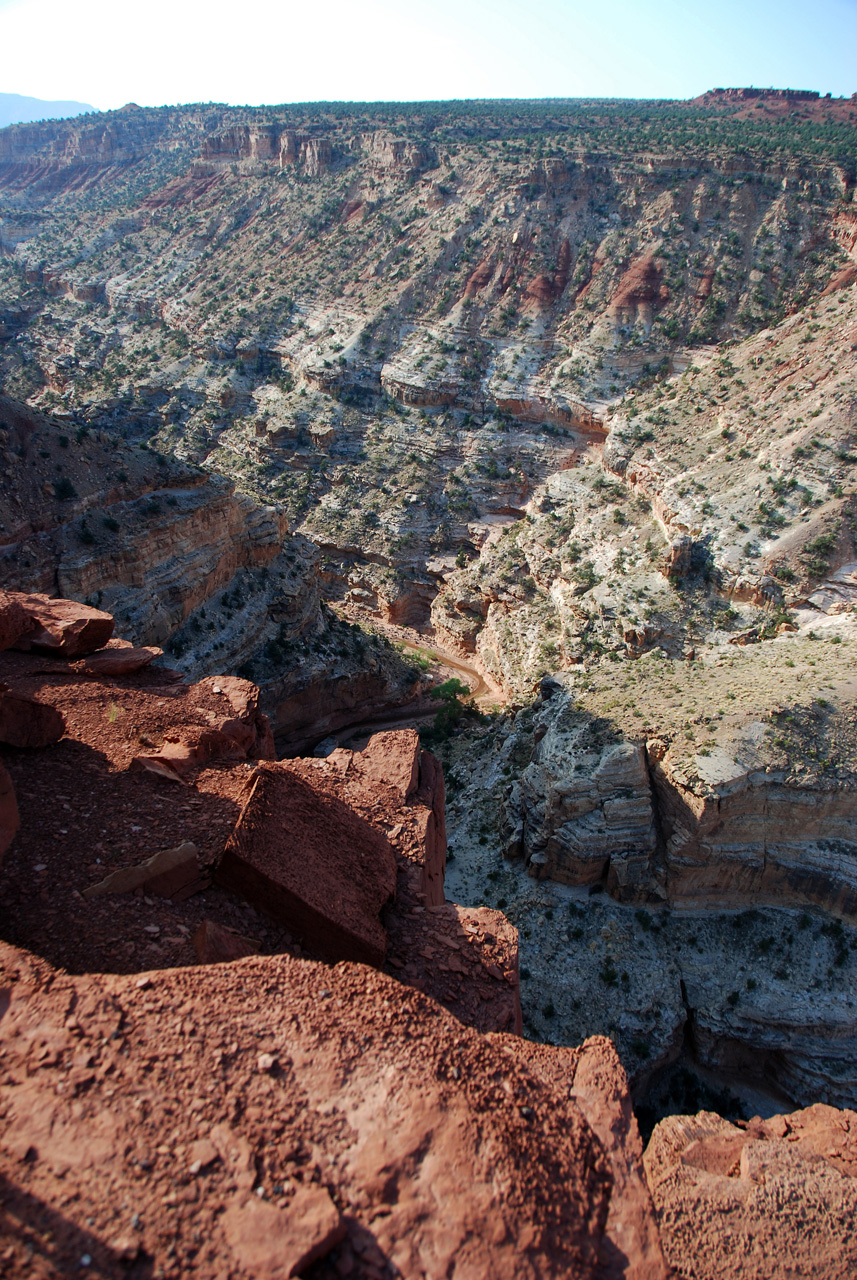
[233,705]
[170,873]
[392,758]
[64,628]
[759,1201]
[9,820]
[24,722]
[593,1077]
[311,862]
[239,731]
[120,658]
[14,620]
[214,944]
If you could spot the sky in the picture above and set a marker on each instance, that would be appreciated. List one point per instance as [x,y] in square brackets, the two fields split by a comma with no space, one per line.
[109,52]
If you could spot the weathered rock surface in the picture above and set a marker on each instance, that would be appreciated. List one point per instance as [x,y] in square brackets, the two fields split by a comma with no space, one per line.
[26,722]
[313,864]
[774,1198]
[466,958]
[64,628]
[596,1081]
[236,730]
[229,1106]
[215,945]
[392,758]
[170,873]
[14,620]
[119,658]
[431,816]
[268,1243]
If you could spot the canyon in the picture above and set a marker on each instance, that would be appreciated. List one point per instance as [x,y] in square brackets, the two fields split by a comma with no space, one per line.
[336,405]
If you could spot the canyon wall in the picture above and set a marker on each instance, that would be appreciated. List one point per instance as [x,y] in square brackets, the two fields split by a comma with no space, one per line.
[185,562]
[593,807]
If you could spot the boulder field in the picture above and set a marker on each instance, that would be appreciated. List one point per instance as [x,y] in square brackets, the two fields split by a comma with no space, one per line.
[244,1035]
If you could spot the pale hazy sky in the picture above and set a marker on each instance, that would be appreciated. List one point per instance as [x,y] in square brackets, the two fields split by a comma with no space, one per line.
[109,52]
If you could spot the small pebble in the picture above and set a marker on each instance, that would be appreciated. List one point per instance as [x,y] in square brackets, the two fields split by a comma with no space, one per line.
[266,1062]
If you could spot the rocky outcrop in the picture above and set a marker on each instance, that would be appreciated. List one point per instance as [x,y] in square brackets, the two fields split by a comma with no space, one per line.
[119,658]
[336,1040]
[640,292]
[762,814]
[544,289]
[582,810]
[242,142]
[388,153]
[766,95]
[278,1048]
[543,407]
[752,835]
[226,724]
[392,758]
[265,142]
[736,1201]
[596,1081]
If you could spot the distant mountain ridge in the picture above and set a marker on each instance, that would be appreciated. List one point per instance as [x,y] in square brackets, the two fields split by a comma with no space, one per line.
[17,109]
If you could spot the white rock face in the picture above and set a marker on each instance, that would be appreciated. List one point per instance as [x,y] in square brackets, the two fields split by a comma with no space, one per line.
[582,812]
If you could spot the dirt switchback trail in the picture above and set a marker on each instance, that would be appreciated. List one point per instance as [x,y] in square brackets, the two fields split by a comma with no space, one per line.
[484,692]
[480,690]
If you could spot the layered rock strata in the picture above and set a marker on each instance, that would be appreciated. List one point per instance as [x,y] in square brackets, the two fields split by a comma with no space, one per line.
[760,813]
[183,560]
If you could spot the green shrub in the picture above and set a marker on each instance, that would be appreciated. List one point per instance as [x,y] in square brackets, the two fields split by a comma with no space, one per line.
[64,489]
